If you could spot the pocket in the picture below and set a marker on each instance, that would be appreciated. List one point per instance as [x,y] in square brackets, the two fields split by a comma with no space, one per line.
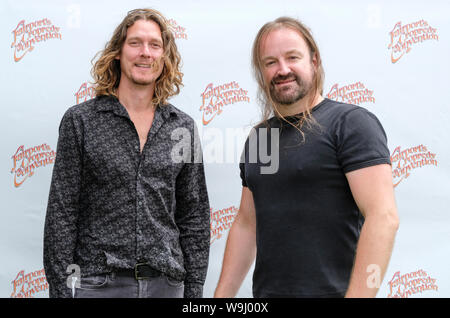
[94,282]
[173,282]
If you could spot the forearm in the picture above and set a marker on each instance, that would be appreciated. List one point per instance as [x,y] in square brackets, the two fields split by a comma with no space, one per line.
[239,255]
[193,220]
[59,246]
[60,234]
[195,246]
[372,255]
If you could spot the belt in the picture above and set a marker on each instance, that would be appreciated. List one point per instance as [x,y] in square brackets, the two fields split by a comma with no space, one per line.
[141,271]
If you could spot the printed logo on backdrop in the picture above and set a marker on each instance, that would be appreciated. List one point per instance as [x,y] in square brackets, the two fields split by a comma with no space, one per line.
[406,36]
[355,94]
[29,285]
[221,220]
[178,31]
[404,286]
[215,98]
[404,161]
[27,35]
[27,160]
[85,92]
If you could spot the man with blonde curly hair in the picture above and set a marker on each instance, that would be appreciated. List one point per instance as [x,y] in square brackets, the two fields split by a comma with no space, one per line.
[129,218]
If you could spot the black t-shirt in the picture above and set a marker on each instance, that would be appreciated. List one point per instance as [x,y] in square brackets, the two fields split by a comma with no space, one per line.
[307,222]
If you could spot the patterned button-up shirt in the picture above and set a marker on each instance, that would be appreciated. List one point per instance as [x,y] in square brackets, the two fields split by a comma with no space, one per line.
[112,206]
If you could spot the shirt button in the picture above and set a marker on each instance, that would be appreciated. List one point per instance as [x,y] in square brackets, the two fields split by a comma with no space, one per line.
[137,148]
[140,203]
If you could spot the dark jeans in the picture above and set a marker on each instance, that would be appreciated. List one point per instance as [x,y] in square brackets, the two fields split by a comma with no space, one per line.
[116,285]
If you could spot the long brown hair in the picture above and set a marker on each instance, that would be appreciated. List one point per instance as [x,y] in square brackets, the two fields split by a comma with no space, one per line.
[268,106]
[106,70]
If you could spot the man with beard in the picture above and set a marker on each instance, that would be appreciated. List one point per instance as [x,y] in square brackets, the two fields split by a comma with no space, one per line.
[122,209]
[324,224]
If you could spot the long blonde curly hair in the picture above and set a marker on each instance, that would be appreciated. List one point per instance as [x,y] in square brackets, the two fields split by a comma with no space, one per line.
[106,70]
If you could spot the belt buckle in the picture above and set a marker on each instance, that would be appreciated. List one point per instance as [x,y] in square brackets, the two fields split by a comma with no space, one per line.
[136,270]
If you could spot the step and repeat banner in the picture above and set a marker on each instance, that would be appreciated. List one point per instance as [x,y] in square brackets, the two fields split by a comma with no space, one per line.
[391,57]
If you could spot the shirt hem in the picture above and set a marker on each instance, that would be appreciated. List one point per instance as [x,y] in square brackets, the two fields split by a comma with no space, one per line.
[367,164]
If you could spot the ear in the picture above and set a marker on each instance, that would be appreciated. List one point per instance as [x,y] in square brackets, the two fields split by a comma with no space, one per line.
[314,61]
[117,57]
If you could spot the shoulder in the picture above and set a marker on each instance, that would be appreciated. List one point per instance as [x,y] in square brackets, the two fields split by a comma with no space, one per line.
[73,117]
[353,122]
[181,118]
[338,109]
[335,114]
[87,108]
[272,122]
[176,111]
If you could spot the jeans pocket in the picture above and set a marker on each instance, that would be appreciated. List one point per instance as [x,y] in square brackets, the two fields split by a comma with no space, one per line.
[94,282]
[173,282]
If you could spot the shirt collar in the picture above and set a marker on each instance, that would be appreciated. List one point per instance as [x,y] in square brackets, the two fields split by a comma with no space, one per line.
[111,103]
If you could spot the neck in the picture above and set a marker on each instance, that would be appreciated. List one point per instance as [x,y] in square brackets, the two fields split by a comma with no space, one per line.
[300,106]
[136,98]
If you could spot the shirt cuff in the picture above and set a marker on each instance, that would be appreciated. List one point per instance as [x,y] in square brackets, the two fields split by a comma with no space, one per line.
[193,290]
[60,292]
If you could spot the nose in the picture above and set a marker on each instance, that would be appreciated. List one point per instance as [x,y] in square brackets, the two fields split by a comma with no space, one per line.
[146,51]
[283,68]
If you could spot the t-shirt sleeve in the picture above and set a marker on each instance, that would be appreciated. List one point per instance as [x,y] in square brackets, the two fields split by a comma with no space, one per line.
[361,141]
[242,167]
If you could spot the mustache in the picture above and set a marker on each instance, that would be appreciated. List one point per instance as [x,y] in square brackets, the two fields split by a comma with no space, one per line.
[155,64]
[281,78]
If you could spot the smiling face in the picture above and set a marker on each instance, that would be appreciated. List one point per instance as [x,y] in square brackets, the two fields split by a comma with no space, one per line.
[287,66]
[141,55]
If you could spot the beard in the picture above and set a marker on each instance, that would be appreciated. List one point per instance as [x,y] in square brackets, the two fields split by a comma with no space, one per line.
[155,65]
[289,95]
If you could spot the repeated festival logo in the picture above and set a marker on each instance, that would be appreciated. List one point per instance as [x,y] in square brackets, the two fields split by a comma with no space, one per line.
[406,36]
[355,93]
[404,161]
[221,220]
[28,285]
[178,31]
[85,92]
[27,160]
[404,286]
[27,35]
[215,98]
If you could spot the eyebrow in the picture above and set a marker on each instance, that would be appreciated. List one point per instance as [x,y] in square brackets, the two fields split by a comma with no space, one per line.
[287,53]
[140,39]
[294,51]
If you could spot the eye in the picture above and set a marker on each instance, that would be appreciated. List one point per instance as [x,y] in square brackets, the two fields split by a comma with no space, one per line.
[156,45]
[269,63]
